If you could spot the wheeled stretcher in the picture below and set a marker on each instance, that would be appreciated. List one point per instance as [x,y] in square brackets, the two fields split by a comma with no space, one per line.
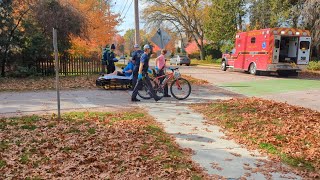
[113,82]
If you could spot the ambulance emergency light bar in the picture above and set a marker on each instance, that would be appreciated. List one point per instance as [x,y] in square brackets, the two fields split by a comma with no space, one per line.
[290,33]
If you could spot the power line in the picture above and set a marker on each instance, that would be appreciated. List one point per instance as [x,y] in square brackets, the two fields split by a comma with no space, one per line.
[128,9]
[124,7]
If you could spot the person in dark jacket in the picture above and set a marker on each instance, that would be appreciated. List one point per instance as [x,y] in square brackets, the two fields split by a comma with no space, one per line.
[110,60]
[143,75]
[104,59]
[136,55]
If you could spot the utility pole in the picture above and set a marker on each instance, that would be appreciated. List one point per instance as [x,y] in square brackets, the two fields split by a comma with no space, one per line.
[136,15]
[55,47]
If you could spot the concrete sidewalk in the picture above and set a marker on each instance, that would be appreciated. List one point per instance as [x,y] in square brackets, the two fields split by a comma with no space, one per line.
[212,150]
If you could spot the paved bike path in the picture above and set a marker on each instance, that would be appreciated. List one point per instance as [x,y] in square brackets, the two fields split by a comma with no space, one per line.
[212,150]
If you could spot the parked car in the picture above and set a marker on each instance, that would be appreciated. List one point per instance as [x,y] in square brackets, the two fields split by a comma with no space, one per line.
[179,60]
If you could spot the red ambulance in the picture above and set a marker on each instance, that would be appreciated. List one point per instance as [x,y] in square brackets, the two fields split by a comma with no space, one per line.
[282,50]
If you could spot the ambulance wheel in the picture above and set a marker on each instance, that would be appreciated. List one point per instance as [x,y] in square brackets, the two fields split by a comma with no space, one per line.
[223,65]
[253,69]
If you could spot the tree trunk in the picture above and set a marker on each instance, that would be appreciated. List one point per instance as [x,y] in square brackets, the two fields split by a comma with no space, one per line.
[3,66]
[318,52]
[4,62]
[202,53]
[240,23]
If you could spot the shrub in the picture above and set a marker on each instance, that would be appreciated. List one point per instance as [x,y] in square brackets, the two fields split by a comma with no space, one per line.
[209,58]
[22,71]
[217,61]
[194,55]
[314,66]
[213,51]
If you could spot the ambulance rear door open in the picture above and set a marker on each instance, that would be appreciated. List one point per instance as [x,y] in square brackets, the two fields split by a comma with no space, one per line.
[276,49]
[304,50]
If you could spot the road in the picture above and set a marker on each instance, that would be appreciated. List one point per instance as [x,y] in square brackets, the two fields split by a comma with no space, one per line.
[295,91]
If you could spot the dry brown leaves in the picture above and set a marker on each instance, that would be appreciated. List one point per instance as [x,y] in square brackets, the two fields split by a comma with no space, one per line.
[195,81]
[285,132]
[45,83]
[309,74]
[216,166]
[91,146]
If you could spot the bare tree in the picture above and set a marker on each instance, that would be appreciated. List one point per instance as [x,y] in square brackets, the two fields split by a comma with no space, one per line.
[187,15]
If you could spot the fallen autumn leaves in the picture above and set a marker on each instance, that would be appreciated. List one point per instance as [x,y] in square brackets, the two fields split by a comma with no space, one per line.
[70,82]
[46,83]
[285,132]
[91,145]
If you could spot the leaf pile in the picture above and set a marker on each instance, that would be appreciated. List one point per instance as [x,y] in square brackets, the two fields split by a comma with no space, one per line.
[45,83]
[309,75]
[285,132]
[195,81]
[91,146]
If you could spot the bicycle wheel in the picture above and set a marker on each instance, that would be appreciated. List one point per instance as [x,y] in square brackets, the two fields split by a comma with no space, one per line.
[180,88]
[159,90]
[143,92]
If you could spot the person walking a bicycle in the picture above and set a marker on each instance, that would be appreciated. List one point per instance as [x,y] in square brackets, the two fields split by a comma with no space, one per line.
[143,75]
[136,56]
[160,69]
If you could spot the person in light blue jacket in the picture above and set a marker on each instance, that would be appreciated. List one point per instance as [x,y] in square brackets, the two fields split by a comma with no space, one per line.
[127,71]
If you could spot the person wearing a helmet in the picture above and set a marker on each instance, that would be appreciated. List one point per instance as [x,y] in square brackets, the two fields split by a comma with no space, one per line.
[143,75]
[136,55]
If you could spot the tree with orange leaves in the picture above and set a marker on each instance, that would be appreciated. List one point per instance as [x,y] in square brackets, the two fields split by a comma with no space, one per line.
[100,26]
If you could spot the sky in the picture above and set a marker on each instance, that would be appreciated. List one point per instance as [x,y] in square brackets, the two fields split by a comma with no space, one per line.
[119,6]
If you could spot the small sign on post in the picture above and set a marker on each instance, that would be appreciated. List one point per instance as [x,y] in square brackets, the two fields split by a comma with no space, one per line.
[161,38]
[55,47]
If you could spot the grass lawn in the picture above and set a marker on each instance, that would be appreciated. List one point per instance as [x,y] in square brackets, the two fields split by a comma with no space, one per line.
[264,87]
[285,132]
[91,145]
[215,63]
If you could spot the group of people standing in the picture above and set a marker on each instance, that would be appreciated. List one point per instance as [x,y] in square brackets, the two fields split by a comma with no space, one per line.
[138,67]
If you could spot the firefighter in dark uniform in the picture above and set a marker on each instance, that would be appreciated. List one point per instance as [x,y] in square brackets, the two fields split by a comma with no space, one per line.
[143,75]
[110,60]
[136,55]
[104,59]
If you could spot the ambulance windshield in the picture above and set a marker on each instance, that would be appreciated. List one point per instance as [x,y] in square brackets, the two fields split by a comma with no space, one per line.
[304,45]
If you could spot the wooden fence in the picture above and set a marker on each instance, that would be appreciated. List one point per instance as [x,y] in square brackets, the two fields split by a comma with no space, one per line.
[69,66]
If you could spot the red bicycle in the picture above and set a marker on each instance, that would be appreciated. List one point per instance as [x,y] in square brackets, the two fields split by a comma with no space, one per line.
[180,88]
